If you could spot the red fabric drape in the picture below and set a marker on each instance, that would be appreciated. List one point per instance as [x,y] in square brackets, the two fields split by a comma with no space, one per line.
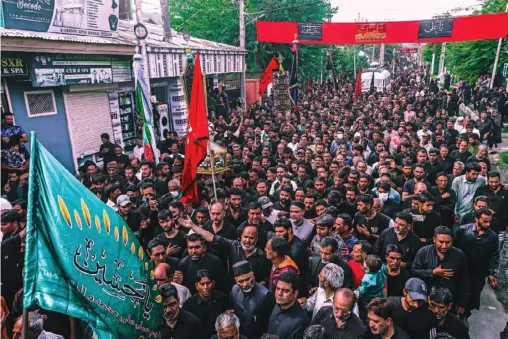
[196,147]
[478,27]
[358,86]
[267,77]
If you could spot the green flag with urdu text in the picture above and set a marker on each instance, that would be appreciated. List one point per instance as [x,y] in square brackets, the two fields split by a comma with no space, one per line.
[82,259]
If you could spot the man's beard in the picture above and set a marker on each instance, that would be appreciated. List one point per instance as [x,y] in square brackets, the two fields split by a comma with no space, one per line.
[248,247]
[235,207]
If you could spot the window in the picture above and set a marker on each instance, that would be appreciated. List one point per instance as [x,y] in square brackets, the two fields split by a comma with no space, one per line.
[40,103]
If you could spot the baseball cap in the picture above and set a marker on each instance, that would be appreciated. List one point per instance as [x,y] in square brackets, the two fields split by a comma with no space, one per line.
[123,200]
[417,289]
[265,202]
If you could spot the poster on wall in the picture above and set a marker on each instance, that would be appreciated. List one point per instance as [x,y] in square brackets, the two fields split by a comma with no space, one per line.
[310,31]
[178,106]
[70,69]
[114,109]
[80,17]
[13,65]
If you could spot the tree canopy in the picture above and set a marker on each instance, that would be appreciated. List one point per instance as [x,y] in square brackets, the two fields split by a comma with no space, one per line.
[218,20]
[470,59]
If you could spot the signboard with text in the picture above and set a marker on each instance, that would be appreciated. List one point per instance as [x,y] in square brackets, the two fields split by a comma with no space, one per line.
[80,17]
[436,28]
[370,31]
[13,65]
[70,69]
[310,31]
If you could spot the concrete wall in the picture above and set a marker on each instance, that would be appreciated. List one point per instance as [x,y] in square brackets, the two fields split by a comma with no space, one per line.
[52,130]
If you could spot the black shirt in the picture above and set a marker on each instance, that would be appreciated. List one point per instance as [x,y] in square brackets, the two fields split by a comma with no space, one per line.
[227,231]
[395,283]
[236,222]
[425,224]
[298,252]
[11,268]
[446,164]
[498,203]
[178,239]
[376,225]
[482,251]
[409,186]
[263,229]
[210,262]
[452,328]
[416,323]
[409,245]
[353,328]
[187,326]
[398,334]
[207,310]
[133,220]
[427,260]
[289,323]
[258,262]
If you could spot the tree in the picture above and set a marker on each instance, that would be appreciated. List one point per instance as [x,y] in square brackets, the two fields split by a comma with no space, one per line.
[217,20]
[470,59]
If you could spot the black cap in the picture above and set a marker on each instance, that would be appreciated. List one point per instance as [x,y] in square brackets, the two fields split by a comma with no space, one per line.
[241,268]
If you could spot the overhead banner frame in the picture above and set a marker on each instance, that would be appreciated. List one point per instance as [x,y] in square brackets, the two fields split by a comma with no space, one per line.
[477,27]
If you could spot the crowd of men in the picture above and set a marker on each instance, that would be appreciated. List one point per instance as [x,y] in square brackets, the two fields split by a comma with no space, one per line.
[379,218]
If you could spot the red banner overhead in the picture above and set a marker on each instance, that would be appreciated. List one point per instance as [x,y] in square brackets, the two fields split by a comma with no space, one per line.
[478,27]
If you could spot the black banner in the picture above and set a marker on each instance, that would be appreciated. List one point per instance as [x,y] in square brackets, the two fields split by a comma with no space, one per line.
[436,28]
[310,31]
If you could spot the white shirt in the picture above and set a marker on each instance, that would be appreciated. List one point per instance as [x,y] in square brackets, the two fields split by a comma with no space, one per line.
[272,189]
[318,300]
[112,205]
[273,216]
[138,152]
[183,292]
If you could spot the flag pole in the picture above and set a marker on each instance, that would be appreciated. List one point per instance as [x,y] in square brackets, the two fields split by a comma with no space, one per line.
[29,223]
[212,166]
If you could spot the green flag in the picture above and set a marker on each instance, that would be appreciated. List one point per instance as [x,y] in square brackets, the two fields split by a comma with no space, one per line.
[81,258]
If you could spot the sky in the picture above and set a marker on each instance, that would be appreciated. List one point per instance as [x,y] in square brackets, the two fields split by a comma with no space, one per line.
[398,10]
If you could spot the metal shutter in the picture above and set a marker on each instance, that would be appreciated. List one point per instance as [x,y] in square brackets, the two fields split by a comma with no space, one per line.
[88,116]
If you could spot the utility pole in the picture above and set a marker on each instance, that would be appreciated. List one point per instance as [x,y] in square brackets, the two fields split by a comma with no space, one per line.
[496,60]
[166,24]
[242,45]
[442,58]
[142,43]
[433,59]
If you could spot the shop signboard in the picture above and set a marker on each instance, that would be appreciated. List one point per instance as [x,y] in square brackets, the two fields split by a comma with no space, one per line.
[13,65]
[178,106]
[71,69]
[80,17]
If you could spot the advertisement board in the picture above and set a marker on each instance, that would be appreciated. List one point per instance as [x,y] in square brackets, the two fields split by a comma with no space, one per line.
[80,17]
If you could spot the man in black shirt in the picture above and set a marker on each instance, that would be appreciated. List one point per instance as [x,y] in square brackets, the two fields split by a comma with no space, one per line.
[402,236]
[218,225]
[235,214]
[445,160]
[177,323]
[106,149]
[207,303]
[418,176]
[481,246]
[297,249]
[172,238]
[288,319]
[498,197]
[397,276]
[328,253]
[425,219]
[380,321]
[338,320]
[284,202]
[128,213]
[443,265]
[445,199]
[12,268]
[199,259]
[368,222]
[254,213]
[410,312]
[448,325]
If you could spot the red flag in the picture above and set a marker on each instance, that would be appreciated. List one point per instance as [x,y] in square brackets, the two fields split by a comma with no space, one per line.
[267,77]
[196,146]
[358,87]
[308,82]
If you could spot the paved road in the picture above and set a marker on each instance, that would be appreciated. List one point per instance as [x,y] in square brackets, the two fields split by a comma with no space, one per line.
[491,318]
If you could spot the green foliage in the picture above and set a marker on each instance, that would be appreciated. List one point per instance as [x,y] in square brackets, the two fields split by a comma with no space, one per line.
[470,59]
[217,20]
